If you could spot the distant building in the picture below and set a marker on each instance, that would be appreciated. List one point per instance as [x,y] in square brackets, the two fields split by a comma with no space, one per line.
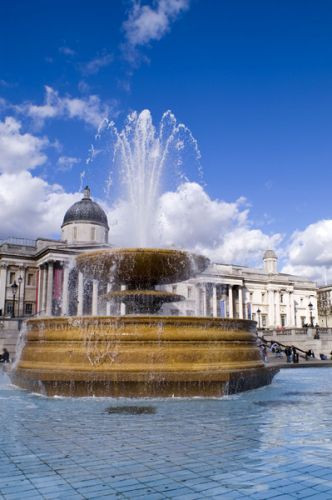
[39,278]
[324,302]
[275,300]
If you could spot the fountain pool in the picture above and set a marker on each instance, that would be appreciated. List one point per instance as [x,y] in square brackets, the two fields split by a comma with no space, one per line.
[272,442]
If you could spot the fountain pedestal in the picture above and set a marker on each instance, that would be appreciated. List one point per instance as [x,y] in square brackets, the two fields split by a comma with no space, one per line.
[141,355]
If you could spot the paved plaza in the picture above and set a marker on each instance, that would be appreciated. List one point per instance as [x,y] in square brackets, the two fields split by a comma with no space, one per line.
[274,442]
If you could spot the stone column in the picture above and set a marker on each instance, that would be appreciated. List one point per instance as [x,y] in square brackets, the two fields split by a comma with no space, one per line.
[240,303]
[43,302]
[291,309]
[94,297]
[80,291]
[214,301]
[197,300]
[65,289]
[49,296]
[108,303]
[277,302]
[204,297]
[40,284]
[123,306]
[271,308]
[3,284]
[230,301]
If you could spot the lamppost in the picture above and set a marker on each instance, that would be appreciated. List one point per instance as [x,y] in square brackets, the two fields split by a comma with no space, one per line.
[311,317]
[14,290]
[20,279]
[259,317]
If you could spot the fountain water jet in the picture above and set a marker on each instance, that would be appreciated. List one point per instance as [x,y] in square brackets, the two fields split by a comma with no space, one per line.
[141,354]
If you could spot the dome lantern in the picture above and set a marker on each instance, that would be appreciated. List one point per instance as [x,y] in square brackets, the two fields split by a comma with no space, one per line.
[270,260]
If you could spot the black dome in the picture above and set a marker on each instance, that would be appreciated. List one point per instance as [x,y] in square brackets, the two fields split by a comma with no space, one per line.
[85,210]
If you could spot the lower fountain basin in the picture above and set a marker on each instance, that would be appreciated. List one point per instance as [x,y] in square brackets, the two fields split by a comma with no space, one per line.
[141,356]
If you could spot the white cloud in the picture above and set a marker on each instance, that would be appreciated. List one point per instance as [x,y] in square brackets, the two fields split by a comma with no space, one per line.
[89,109]
[31,207]
[146,23]
[96,64]
[66,163]
[310,251]
[189,218]
[19,151]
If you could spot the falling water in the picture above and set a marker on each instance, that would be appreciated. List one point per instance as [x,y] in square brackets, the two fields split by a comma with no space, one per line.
[149,160]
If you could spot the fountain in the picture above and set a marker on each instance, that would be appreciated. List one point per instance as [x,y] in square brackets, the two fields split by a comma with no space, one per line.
[141,353]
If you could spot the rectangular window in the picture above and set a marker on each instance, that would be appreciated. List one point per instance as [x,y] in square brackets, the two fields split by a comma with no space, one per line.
[28,309]
[31,279]
[75,233]
[175,312]
[189,292]
[283,319]
[9,308]
[263,298]
[303,321]
[281,298]
[173,288]
[264,320]
[12,275]
[93,234]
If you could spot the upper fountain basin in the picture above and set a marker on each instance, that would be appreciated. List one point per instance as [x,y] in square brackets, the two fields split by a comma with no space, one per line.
[141,268]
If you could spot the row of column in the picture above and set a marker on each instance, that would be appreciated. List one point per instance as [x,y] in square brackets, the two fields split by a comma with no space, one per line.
[204,298]
[245,304]
[46,291]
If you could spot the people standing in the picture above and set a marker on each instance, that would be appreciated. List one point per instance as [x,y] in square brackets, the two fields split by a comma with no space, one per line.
[4,357]
[295,356]
[288,353]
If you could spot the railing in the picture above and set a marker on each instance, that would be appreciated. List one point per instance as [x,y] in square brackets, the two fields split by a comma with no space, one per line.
[19,241]
[271,342]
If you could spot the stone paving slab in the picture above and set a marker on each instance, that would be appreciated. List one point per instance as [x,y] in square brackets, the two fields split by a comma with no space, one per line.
[275,442]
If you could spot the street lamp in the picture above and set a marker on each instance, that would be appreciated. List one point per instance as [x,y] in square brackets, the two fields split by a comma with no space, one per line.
[14,290]
[20,279]
[259,317]
[310,311]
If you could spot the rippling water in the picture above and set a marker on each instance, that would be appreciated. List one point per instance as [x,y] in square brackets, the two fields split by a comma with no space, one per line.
[276,440]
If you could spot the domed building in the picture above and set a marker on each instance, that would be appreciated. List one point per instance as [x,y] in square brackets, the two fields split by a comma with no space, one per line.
[40,278]
[85,222]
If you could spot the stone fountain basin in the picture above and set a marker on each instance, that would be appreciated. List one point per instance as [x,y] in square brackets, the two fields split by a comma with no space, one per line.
[141,268]
[141,356]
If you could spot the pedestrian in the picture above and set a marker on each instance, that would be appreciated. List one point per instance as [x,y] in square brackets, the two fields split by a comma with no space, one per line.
[264,352]
[295,356]
[288,353]
[4,357]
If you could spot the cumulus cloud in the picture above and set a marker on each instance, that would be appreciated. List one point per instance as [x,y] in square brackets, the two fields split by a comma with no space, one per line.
[19,151]
[310,251]
[96,64]
[147,23]
[89,109]
[26,198]
[189,218]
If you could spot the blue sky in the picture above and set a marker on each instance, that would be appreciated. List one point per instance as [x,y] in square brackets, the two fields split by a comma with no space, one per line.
[252,80]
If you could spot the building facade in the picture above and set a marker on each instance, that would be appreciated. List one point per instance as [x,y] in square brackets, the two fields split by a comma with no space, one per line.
[39,278]
[324,302]
[275,300]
